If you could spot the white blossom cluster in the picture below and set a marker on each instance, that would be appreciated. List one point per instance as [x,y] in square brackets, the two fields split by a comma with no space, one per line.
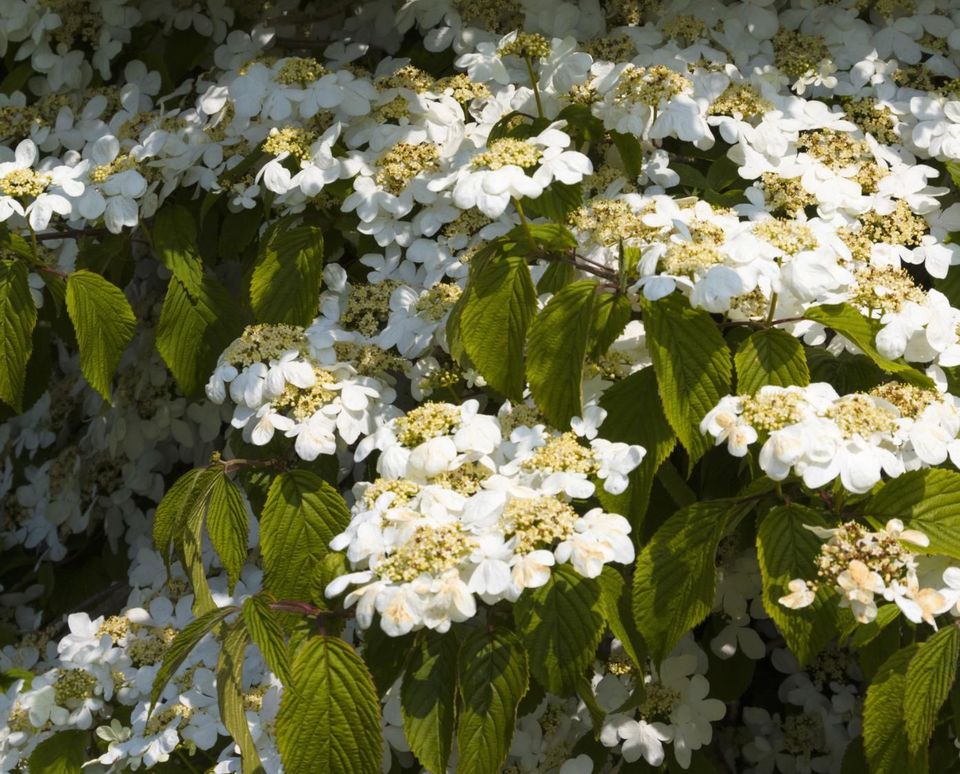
[820,436]
[862,566]
[460,511]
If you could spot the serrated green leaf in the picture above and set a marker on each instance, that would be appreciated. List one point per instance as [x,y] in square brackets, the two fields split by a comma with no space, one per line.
[267,634]
[230,697]
[787,550]
[676,575]
[175,241]
[330,720]
[194,329]
[556,349]
[493,317]
[692,363]
[188,494]
[428,698]
[228,527]
[631,153]
[930,676]
[846,372]
[862,331]
[185,641]
[493,679]
[635,415]
[303,513]
[884,739]
[858,635]
[926,500]
[104,324]
[615,601]
[560,624]
[385,656]
[771,356]
[18,316]
[557,276]
[288,274]
[611,314]
[557,201]
[63,753]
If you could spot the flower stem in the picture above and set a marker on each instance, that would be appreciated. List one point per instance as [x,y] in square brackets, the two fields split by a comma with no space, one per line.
[536,88]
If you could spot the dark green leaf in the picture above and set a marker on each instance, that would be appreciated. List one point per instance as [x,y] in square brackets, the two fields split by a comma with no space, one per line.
[63,753]
[926,500]
[230,697]
[770,356]
[883,719]
[18,316]
[428,698]
[227,524]
[930,676]
[267,634]
[285,287]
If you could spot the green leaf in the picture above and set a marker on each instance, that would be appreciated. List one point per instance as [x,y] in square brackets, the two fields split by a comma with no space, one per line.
[63,753]
[558,275]
[635,415]
[631,153]
[230,697]
[561,625]
[385,656]
[692,363]
[288,274]
[615,601]
[303,513]
[190,493]
[228,526]
[557,201]
[787,550]
[267,634]
[926,500]
[862,331]
[18,316]
[194,328]
[556,348]
[846,372]
[494,314]
[610,316]
[330,719]
[884,739]
[676,576]
[493,679]
[771,356]
[428,698]
[185,641]
[930,677]
[104,324]
[175,241]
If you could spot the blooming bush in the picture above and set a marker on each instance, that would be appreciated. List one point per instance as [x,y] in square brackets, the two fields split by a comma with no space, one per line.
[480,386]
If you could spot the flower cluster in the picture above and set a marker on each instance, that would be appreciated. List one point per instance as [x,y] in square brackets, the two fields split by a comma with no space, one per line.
[861,566]
[821,436]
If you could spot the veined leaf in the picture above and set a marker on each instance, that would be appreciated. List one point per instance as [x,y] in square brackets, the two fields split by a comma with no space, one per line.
[175,240]
[692,363]
[185,641]
[676,576]
[493,679]
[634,415]
[303,513]
[561,626]
[615,601]
[18,316]
[267,634]
[787,550]
[63,753]
[194,328]
[230,697]
[610,316]
[428,698]
[330,718]
[104,324]
[883,719]
[770,356]
[190,493]
[228,526]
[930,676]
[862,331]
[556,349]
[926,500]
[494,315]
[288,274]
